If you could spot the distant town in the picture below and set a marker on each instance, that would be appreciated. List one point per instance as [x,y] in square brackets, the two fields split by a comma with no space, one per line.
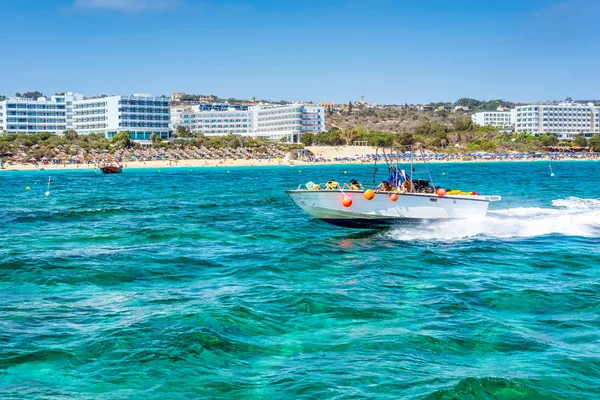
[147,117]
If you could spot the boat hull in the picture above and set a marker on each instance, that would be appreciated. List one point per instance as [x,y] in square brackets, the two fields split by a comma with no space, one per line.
[111,169]
[381,211]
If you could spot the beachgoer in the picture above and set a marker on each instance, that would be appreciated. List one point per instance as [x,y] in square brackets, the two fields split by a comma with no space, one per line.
[332,185]
[384,186]
[406,187]
[355,185]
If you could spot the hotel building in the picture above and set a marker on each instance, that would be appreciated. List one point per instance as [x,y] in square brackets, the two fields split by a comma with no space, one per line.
[212,120]
[288,122]
[141,114]
[566,120]
[503,120]
[23,115]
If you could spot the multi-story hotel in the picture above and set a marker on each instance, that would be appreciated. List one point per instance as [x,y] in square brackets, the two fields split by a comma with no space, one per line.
[141,114]
[503,120]
[566,120]
[288,122]
[22,115]
[212,120]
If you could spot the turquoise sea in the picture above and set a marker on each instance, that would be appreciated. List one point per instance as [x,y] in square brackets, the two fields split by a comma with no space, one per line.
[210,283]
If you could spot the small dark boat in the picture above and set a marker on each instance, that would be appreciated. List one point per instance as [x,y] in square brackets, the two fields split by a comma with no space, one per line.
[111,169]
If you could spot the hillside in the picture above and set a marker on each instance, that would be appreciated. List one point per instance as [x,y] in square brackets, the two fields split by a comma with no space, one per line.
[392,120]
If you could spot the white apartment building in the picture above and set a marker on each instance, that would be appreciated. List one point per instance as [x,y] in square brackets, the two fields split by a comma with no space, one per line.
[566,120]
[23,115]
[213,120]
[140,114]
[278,122]
[287,122]
[503,120]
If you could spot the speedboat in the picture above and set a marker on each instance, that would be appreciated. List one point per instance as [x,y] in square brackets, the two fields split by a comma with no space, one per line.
[352,209]
[373,208]
[111,169]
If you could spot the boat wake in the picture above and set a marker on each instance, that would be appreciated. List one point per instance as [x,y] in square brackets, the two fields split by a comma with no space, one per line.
[568,217]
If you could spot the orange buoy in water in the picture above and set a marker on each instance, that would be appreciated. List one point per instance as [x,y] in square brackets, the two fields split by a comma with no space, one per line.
[346,201]
[441,192]
[369,194]
[393,197]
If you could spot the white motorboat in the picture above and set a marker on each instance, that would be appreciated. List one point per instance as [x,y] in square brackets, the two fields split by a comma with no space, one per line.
[331,206]
[373,208]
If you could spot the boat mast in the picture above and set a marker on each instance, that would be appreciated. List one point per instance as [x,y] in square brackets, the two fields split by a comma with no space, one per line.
[412,157]
[426,167]
[375,168]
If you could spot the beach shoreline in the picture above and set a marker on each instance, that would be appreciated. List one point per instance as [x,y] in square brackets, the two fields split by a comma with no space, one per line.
[233,163]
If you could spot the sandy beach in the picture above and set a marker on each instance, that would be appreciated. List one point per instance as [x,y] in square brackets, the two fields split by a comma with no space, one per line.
[324,155]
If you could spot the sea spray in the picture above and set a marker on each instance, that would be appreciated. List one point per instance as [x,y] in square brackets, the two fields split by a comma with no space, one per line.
[569,217]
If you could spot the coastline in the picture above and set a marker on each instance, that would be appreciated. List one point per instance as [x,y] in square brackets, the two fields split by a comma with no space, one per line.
[233,163]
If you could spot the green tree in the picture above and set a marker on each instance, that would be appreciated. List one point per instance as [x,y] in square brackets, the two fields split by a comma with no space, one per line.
[463,124]
[71,135]
[594,142]
[154,138]
[30,95]
[122,140]
[307,139]
[406,139]
[548,139]
[466,102]
[580,141]
[181,131]
[349,136]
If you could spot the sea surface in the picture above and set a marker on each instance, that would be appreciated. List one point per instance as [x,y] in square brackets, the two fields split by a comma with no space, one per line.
[209,283]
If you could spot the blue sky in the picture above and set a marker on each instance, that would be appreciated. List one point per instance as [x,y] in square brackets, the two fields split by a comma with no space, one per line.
[392,51]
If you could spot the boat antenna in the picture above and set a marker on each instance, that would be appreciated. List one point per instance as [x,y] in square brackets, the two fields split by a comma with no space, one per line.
[412,158]
[375,168]
[386,159]
[426,167]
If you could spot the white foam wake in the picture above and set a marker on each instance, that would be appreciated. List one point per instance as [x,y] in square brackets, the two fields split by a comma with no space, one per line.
[568,217]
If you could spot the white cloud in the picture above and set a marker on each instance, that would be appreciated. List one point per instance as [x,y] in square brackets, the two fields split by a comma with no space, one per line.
[124,5]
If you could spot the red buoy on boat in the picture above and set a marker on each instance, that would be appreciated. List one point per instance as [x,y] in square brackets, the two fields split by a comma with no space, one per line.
[441,192]
[394,197]
[369,194]
[346,201]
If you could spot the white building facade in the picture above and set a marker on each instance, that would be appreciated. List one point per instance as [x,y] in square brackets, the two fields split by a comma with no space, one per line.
[23,115]
[566,120]
[212,120]
[141,114]
[287,122]
[503,120]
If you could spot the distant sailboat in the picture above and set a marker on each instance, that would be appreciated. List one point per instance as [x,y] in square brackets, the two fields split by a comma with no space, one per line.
[551,173]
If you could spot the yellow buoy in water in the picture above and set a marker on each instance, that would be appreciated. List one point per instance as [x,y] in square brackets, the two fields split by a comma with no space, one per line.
[159,170]
[344,171]
[26,187]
